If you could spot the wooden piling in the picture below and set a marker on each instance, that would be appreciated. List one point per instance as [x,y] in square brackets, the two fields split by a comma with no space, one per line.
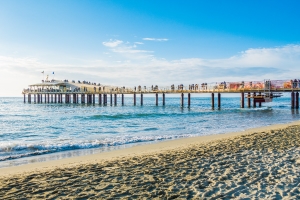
[156,99]
[259,103]
[182,100]
[24,98]
[115,97]
[254,100]
[219,100]
[212,100]
[34,98]
[122,99]
[94,98]
[242,100]
[164,99]
[100,99]
[48,98]
[105,99]
[82,98]
[189,99]
[45,98]
[297,100]
[293,100]
[55,96]
[249,100]
[141,99]
[111,99]
[134,99]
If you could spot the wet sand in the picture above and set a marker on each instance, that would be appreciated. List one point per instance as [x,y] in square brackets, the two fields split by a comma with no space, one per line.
[261,163]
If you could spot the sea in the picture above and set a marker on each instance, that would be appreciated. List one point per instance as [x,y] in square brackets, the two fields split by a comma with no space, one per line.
[32,132]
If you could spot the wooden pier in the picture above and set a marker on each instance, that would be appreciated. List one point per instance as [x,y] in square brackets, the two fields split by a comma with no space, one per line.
[257,92]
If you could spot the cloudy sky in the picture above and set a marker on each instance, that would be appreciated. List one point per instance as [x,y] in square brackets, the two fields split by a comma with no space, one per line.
[134,42]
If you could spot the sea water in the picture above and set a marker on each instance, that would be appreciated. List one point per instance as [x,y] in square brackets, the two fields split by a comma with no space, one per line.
[38,132]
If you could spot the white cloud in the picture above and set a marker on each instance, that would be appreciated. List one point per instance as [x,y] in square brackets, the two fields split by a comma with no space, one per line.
[112,43]
[156,39]
[139,67]
[130,51]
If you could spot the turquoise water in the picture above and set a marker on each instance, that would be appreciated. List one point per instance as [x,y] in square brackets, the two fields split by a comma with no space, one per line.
[28,131]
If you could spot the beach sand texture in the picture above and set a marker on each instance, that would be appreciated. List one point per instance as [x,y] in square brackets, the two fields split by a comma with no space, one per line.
[256,164]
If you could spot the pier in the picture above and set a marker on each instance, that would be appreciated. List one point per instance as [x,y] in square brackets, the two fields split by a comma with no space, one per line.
[257,92]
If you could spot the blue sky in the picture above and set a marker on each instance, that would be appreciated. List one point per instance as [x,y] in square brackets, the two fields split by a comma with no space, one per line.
[147,42]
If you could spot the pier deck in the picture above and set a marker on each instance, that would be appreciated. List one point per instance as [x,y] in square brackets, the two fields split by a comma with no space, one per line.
[259,91]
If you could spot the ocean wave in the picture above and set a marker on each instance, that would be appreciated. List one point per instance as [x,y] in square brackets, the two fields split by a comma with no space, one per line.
[44,148]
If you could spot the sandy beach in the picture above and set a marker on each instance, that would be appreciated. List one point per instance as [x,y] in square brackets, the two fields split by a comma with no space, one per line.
[261,163]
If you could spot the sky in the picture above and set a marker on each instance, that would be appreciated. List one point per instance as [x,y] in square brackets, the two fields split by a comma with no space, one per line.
[150,42]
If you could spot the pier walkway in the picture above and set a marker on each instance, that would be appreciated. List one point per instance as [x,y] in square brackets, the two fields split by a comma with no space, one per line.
[56,91]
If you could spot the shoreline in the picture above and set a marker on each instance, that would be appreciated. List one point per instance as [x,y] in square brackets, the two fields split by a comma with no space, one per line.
[139,150]
[259,163]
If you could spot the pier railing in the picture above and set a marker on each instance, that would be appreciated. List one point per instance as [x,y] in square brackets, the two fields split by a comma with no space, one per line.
[229,87]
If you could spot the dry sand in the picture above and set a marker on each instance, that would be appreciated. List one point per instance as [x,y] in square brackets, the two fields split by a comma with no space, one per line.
[261,163]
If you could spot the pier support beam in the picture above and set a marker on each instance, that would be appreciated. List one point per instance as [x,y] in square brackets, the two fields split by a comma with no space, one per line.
[141,99]
[259,103]
[164,99]
[189,100]
[100,99]
[182,100]
[55,98]
[29,98]
[297,100]
[156,99]
[48,98]
[74,98]
[45,98]
[105,99]
[254,100]
[61,98]
[134,99]
[24,98]
[34,98]
[82,98]
[94,100]
[293,100]
[249,100]
[51,98]
[115,96]
[212,100]
[219,100]
[242,100]
[122,99]
[111,99]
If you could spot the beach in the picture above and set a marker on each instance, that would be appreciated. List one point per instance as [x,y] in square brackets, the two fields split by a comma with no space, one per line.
[260,163]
